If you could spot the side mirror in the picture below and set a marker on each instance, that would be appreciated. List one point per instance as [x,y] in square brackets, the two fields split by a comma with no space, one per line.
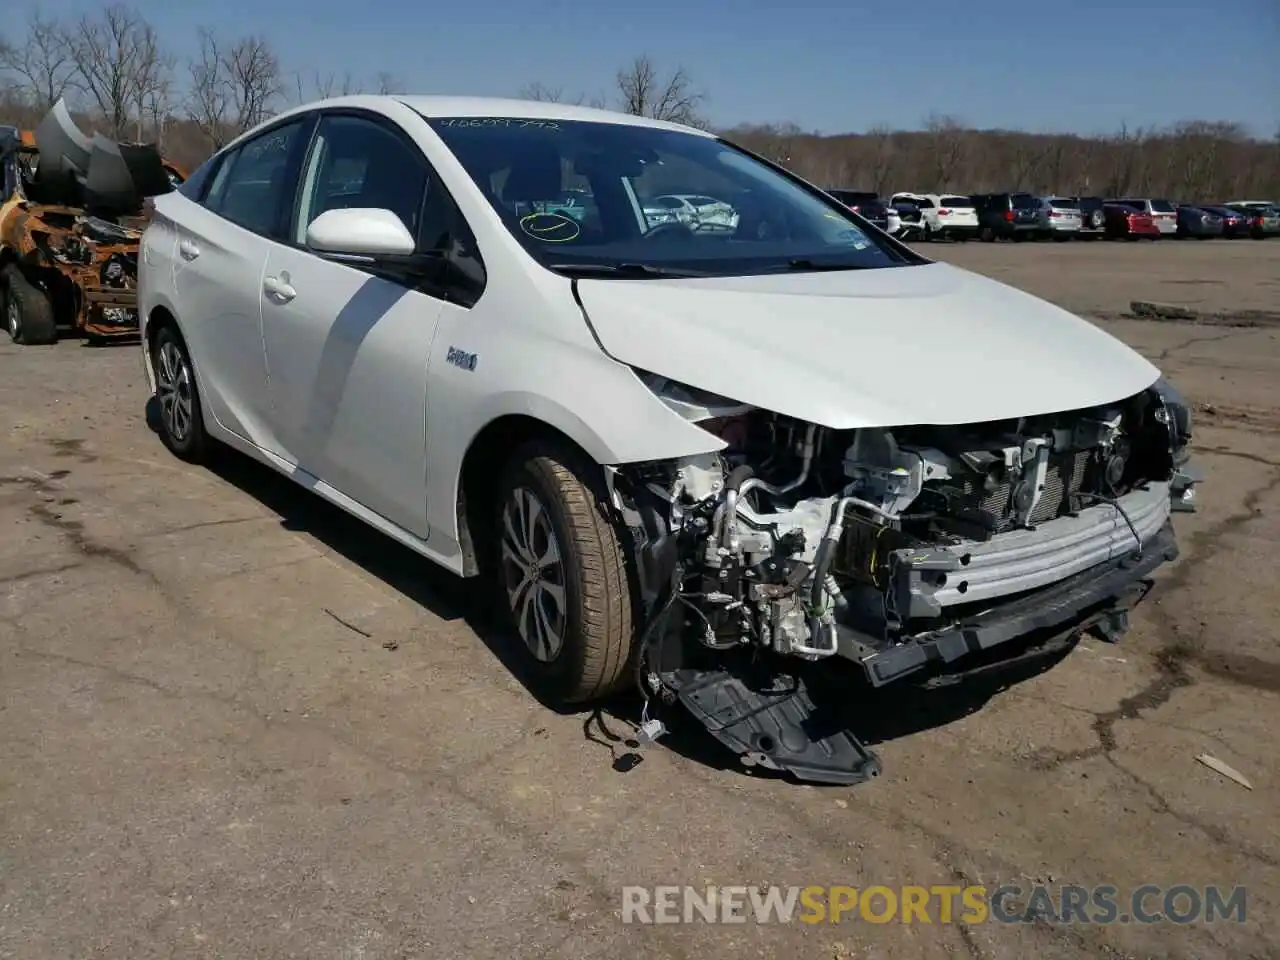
[361,232]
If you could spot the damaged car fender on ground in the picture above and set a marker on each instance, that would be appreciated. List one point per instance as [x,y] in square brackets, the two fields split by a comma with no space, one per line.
[718,465]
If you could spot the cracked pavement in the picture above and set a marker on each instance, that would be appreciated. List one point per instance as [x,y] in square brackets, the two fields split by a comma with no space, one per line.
[233,722]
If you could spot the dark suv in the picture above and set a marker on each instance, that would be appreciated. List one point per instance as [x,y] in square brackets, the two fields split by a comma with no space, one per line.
[1093,219]
[867,205]
[1008,215]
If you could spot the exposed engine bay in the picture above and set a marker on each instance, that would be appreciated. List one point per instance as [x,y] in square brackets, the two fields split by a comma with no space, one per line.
[897,549]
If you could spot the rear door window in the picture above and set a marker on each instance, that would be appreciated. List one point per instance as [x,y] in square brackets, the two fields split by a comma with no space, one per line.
[255,187]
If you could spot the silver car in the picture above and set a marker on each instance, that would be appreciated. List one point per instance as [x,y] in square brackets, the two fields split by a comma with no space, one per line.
[1059,218]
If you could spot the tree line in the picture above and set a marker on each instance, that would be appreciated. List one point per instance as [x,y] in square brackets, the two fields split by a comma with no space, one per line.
[120,78]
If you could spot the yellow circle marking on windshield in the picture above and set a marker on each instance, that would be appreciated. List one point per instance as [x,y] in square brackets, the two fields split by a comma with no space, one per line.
[550,227]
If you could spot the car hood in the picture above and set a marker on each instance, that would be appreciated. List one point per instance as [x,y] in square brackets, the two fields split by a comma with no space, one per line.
[928,344]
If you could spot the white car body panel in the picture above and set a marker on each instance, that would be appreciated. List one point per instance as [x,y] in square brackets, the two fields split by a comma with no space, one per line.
[927,344]
[346,388]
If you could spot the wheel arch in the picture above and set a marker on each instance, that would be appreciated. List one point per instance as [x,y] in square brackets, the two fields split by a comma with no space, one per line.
[481,467]
[153,321]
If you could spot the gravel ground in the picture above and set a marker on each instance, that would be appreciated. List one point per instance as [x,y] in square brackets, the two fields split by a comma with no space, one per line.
[234,723]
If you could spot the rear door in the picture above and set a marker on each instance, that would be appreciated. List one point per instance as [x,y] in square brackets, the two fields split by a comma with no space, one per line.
[222,237]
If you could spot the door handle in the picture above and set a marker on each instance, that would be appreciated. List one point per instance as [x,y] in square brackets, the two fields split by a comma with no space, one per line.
[278,288]
[188,250]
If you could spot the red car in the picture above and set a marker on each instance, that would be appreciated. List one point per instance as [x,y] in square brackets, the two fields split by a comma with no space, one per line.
[1128,222]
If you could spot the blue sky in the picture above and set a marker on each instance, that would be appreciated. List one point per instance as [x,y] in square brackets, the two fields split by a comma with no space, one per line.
[1085,66]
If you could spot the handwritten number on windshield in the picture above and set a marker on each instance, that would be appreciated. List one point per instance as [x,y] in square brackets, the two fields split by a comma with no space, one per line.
[514,123]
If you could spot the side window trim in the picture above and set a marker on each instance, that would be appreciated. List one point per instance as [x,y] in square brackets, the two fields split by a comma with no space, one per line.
[458,224]
[378,119]
[223,167]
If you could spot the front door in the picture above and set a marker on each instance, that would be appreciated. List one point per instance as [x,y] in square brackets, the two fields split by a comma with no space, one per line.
[347,350]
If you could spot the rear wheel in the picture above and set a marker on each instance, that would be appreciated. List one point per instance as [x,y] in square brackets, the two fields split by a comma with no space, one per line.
[28,313]
[559,564]
[181,418]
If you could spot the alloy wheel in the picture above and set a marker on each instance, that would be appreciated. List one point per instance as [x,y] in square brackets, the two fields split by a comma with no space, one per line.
[533,573]
[173,379]
[13,317]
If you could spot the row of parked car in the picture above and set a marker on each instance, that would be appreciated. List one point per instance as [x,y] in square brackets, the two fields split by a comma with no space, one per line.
[1018,216]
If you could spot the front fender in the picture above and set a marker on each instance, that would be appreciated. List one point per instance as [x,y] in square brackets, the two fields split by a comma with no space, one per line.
[606,410]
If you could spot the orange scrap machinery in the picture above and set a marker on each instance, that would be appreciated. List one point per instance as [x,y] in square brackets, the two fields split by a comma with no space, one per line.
[71,219]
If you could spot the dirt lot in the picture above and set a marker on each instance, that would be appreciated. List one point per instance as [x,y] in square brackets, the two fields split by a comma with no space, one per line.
[233,723]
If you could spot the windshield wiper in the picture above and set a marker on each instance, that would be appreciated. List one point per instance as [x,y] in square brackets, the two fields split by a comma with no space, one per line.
[804,263]
[623,270]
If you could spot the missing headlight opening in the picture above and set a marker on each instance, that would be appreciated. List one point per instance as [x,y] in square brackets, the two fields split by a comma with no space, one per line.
[898,550]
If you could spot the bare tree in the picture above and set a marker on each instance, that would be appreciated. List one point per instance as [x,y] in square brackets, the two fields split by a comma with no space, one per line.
[153,81]
[946,144]
[643,91]
[233,87]
[209,98]
[253,76]
[541,92]
[387,82]
[881,156]
[328,85]
[119,63]
[40,61]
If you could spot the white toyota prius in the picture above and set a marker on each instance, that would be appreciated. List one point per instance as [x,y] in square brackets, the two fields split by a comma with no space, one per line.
[715,463]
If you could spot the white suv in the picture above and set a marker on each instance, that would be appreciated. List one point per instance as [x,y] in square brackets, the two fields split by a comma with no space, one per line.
[692,460]
[946,216]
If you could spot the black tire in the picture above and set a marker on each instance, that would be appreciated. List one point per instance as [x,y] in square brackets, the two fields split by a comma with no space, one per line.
[987,235]
[181,414]
[28,313]
[596,627]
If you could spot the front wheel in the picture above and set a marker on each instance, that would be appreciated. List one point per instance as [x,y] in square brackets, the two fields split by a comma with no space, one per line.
[181,419]
[560,566]
[28,312]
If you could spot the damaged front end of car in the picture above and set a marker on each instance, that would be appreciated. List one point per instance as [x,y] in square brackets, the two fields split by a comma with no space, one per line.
[901,550]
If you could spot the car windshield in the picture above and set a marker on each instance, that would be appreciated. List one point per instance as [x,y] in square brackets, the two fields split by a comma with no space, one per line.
[761,221]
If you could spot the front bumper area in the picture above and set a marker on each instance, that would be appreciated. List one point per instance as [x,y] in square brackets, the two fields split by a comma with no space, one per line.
[927,581]
[1086,599]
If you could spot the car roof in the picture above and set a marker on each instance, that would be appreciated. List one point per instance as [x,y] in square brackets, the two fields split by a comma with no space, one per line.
[454,106]
[446,106]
